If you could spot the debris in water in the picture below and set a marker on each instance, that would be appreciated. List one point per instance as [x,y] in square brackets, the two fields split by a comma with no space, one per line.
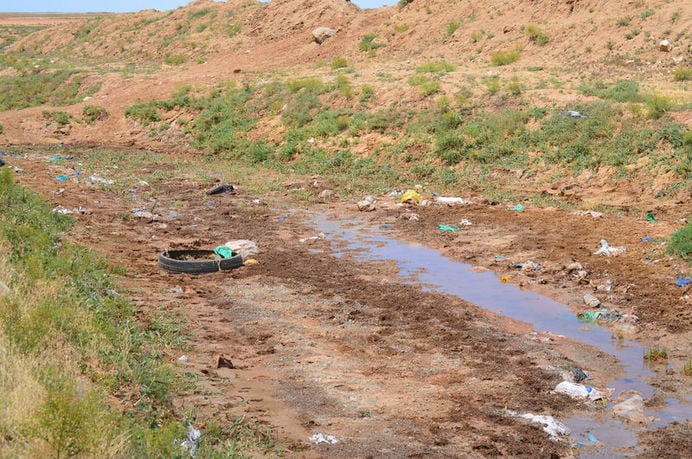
[551,426]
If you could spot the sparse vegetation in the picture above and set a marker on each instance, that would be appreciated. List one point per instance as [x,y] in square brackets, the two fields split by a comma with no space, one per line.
[92,113]
[339,63]
[683,74]
[537,35]
[681,240]
[624,21]
[368,43]
[506,57]
[451,28]
[436,67]
[61,87]
[656,353]
[687,368]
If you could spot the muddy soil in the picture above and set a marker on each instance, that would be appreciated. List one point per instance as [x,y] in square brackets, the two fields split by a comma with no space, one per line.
[340,347]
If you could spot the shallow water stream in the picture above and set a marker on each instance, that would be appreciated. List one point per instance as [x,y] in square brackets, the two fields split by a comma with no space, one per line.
[430,268]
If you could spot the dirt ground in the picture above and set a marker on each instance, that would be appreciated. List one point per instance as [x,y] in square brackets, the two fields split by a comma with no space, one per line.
[337,346]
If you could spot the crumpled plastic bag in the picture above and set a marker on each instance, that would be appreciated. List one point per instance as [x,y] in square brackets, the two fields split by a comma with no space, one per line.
[411,196]
[244,247]
[578,391]
[608,250]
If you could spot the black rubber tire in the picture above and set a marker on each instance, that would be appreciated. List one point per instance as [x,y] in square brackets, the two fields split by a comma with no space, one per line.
[170,261]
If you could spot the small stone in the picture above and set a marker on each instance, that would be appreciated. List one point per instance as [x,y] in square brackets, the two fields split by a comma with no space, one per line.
[326,194]
[591,301]
[574,267]
[665,46]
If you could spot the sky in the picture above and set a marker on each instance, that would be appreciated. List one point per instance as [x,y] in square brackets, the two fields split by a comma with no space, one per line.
[119,6]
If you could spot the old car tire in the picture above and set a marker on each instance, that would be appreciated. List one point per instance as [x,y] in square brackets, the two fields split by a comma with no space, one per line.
[173,262]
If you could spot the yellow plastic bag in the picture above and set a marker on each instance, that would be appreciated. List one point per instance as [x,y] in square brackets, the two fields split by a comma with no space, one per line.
[411,196]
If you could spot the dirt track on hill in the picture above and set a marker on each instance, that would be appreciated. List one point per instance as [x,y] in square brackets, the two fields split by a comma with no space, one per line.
[337,346]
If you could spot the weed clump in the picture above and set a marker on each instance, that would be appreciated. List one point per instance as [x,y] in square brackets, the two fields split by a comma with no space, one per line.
[537,35]
[681,242]
[506,57]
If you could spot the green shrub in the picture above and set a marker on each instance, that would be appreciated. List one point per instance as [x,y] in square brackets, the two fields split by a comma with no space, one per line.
[476,37]
[339,63]
[624,21]
[1,128]
[177,59]
[92,113]
[367,42]
[506,57]
[537,35]
[57,117]
[620,91]
[515,87]
[684,74]
[681,242]
[145,113]
[657,105]
[436,67]
[451,28]
[62,87]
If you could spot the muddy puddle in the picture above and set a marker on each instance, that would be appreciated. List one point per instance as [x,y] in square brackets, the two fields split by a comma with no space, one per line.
[598,434]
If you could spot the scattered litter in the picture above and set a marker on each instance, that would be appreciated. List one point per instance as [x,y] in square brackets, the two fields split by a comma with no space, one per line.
[250,262]
[500,257]
[529,265]
[608,286]
[465,222]
[632,410]
[177,290]
[450,201]
[574,267]
[411,197]
[257,202]
[574,114]
[518,208]
[410,217]
[62,178]
[684,281]
[609,251]
[221,189]
[224,362]
[144,214]
[367,204]
[142,183]
[578,391]
[505,279]
[182,359]
[593,213]
[64,211]
[244,247]
[58,158]
[608,315]
[550,425]
[97,179]
[312,238]
[592,438]
[322,438]
[2,163]
[449,228]
[59,191]
[647,239]
[579,375]
[172,215]
[591,301]
[193,436]
[223,251]
[650,217]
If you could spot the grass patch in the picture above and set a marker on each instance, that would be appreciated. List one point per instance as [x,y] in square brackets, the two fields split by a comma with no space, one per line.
[93,113]
[68,346]
[656,353]
[59,88]
[451,27]
[368,43]
[683,74]
[681,242]
[537,35]
[687,368]
[506,57]
[436,67]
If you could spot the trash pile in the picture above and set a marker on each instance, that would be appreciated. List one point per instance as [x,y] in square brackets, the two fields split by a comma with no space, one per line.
[609,251]
[550,425]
